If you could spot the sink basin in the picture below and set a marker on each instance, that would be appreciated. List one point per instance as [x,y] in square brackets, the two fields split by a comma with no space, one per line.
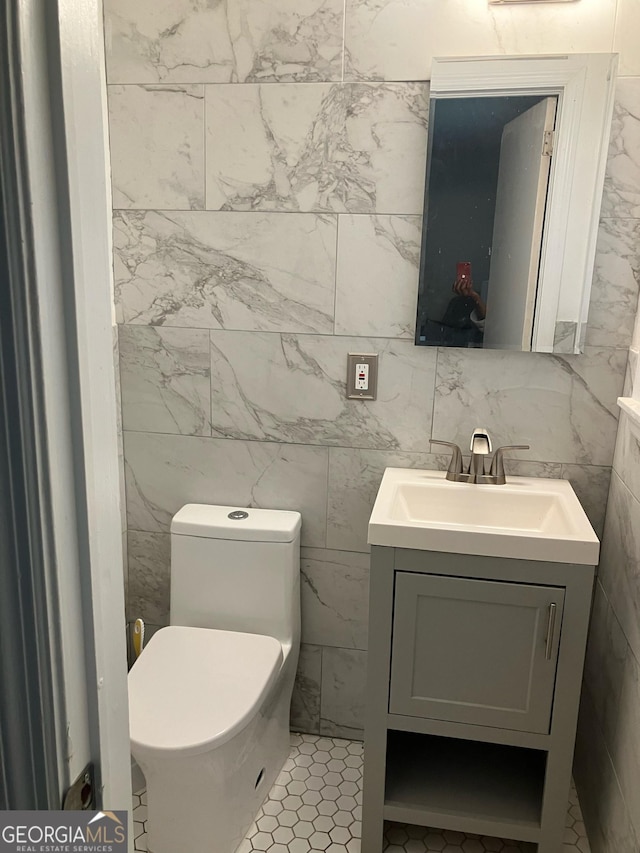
[527,518]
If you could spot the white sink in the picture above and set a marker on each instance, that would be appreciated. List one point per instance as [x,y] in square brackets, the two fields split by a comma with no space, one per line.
[527,518]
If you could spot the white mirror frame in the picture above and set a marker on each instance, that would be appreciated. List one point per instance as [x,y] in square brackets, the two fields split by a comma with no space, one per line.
[585,85]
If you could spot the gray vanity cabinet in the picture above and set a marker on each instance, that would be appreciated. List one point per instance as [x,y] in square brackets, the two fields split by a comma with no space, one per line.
[473,685]
[475,651]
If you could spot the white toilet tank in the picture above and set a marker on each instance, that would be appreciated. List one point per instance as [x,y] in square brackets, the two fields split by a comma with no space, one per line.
[236,573]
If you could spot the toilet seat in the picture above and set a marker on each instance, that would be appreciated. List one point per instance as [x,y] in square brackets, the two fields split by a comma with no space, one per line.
[195,688]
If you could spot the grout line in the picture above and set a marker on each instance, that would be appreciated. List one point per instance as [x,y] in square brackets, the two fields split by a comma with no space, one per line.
[335,275]
[326,516]
[320,213]
[344,37]
[204,143]
[328,447]
[305,334]
[210,387]
[269,332]
[246,83]
[322,648]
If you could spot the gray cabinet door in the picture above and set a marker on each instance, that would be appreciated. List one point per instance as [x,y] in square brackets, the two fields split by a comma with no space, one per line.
[475,651]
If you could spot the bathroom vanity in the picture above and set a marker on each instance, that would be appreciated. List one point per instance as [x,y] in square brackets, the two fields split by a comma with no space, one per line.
[479,608]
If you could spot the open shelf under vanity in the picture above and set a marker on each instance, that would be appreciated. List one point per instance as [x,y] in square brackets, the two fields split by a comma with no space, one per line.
[485,788]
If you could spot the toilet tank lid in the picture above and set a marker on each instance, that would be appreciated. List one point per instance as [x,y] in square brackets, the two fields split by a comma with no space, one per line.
[214,522]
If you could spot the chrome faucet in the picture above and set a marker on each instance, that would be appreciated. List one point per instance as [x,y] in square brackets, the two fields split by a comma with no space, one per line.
[480,449]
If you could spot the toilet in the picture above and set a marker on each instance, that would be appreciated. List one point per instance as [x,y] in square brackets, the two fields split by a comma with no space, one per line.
[209,697]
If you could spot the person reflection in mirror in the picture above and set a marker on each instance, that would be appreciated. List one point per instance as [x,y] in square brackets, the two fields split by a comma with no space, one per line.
[462,324]
[463,286]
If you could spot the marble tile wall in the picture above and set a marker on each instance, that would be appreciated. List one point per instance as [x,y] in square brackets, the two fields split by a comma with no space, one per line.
[268,161]
[608,749]
[607,760]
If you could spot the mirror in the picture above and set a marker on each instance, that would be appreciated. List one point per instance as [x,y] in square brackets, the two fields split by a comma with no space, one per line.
[515,169]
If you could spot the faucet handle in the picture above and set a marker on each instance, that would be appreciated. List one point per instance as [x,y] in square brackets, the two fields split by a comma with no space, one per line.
[497,463]
[455,466]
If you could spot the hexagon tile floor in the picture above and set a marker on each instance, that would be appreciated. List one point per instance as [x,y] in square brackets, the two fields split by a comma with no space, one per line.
[315,807]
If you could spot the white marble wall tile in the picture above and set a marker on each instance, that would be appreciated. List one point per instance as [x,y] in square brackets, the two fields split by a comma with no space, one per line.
[342,699]
[564,336]
[525,468]
[335,596]
[627,388]
[626,460]
[356,148]
[635,343]
[588,761]
[184,41]
[196,41]
[591,485]
[626,37]
[605,663]
[377,275]
[164,472]
[292,388]
[621,197]
[630,373]
[149,577]
[614,293]
[166,381]
[258,271]
[157,146]
[563,406]
[625,751]
[305,702]
[619,570]
[605,812]
[397,39]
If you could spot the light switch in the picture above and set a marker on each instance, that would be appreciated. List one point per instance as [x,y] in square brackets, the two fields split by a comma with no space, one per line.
[362,376]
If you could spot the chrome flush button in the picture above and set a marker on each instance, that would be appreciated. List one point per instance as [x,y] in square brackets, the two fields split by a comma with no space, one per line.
[238,514]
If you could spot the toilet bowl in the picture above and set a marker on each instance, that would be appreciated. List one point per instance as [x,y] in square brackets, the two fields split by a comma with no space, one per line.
[209,697]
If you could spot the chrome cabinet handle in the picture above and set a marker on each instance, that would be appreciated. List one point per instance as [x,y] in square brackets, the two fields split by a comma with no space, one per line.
[551,626]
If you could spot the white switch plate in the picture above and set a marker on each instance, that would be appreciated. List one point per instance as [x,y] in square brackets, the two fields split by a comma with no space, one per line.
[362,376]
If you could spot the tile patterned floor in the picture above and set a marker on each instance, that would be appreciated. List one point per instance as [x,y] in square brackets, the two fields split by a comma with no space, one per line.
[315,807]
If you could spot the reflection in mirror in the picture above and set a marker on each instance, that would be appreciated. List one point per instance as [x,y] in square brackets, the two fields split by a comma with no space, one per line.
[488,177]
[515,168]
